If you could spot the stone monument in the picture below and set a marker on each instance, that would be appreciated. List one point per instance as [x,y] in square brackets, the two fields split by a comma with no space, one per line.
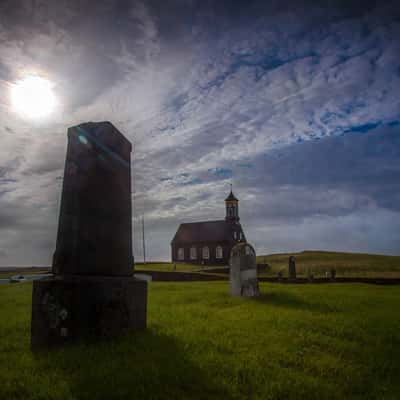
[243,271]
[93,291]
[292,268]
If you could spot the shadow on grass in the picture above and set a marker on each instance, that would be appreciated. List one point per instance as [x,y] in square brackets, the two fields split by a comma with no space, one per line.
[145,365]
[289,300]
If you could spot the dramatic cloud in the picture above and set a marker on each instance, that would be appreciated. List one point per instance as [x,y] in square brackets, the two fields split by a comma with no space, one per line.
[296,104]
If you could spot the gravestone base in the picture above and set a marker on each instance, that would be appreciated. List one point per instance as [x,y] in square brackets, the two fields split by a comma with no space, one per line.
[70,308]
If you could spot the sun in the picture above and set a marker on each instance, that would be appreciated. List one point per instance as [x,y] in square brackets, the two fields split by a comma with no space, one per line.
[33,97]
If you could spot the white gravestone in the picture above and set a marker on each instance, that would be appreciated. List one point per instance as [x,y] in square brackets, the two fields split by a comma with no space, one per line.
[243,271]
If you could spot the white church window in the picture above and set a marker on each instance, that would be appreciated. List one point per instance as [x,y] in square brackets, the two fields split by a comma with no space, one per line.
[206,253]
[181,253]
[193,253]
[218,252]
[235,235]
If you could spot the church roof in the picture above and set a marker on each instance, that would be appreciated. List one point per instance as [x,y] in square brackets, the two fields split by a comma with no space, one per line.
[207,231]
[231,197]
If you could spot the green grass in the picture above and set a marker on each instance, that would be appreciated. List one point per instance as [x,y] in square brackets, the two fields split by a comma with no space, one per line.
[337,341]
[5,275]
[149,266]
[165,266]
[169,267]
[345,264]
[318,262]
[354,265]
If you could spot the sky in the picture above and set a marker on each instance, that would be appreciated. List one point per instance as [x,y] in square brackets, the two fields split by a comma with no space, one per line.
[296,104]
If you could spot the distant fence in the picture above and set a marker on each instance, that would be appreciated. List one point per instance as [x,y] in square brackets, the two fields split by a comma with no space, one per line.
[222,274]
[375,281]
[225,270]
[174,276]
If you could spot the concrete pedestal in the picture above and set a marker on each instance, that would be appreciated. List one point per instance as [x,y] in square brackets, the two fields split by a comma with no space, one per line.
[68,308]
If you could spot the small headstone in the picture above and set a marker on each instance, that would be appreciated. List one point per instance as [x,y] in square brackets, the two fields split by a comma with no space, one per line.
[93,291]
[292,268]
[280,276]
[333,274]
[243,271]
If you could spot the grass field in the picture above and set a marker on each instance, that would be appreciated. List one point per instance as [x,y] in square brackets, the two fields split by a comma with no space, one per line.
[345,264]
[339,341]
[353,265]
[5,275]
[166,266]
[318,262]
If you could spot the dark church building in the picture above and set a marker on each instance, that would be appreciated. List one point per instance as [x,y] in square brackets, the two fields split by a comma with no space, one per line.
[209,242]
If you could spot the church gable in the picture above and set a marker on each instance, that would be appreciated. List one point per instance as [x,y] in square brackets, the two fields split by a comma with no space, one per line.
[208,231]
[209,242]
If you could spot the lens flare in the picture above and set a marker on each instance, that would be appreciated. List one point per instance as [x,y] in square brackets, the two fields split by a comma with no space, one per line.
[33,97]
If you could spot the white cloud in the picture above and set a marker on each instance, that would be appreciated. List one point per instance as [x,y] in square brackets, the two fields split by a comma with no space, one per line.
[213,98]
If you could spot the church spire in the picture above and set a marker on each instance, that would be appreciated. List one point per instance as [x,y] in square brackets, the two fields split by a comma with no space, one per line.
[232,208]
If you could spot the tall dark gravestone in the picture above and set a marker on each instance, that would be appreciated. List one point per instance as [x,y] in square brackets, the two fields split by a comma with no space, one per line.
[93,291]
[292,268]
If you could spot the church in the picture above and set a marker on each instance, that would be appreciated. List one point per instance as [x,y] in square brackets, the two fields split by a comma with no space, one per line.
[209,242]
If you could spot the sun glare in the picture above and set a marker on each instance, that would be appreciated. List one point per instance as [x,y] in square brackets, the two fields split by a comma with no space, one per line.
[33,97]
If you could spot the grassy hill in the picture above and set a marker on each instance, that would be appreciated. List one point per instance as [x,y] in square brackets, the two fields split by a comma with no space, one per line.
[345,264]
[355,265]
[166,266]
[294,342]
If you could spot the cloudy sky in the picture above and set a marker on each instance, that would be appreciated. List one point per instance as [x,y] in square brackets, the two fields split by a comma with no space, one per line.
[295,104]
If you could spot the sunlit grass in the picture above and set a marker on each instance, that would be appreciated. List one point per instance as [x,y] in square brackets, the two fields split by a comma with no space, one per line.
[295,342]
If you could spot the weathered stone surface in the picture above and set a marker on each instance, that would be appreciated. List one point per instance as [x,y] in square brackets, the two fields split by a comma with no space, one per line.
[243,271]
[292,268]
[93,291]
[71,308]
[95,226]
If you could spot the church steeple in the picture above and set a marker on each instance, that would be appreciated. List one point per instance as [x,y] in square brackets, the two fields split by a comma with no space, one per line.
[232,208]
